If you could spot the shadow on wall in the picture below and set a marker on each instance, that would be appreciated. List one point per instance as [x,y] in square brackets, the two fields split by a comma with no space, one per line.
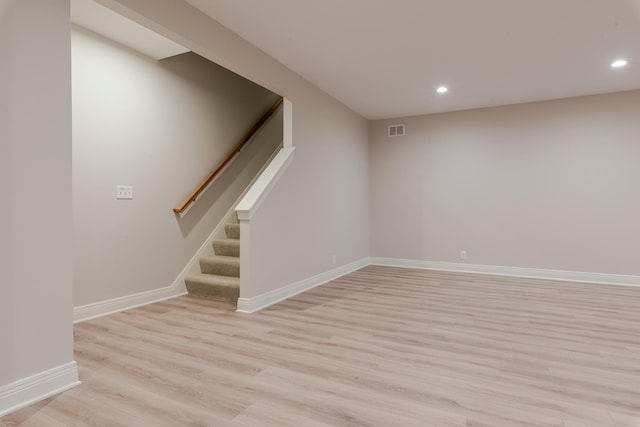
[238,174]
[159,126]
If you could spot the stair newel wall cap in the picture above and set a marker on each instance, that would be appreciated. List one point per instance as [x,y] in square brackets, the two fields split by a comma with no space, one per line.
[264,184]
[243,215]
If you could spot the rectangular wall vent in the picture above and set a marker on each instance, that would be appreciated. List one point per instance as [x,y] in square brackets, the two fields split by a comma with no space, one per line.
[396,130]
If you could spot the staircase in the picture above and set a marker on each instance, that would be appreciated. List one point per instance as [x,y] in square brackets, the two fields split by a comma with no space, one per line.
[220,273]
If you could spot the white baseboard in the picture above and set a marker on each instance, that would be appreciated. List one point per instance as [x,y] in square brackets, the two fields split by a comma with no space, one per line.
[177,288]
[251,305]
[102,308]
[35,388]
[535,273]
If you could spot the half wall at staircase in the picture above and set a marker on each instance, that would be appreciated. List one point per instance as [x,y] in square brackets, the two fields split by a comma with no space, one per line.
[158,126]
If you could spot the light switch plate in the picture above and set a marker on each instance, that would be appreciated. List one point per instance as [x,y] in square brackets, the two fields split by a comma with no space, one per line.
[124,192]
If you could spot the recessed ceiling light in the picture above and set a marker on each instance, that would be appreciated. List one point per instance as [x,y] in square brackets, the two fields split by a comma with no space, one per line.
[442,89]
[619,63]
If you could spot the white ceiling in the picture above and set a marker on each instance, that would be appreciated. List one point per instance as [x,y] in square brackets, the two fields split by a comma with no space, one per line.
[385,58]
[99,19]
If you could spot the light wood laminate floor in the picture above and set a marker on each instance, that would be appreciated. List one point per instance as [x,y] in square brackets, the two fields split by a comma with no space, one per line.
[379,347]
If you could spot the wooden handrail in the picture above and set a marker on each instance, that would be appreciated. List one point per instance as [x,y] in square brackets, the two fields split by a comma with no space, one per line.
[235,150]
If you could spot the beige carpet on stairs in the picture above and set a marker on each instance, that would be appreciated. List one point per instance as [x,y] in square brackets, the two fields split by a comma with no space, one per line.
[220,273]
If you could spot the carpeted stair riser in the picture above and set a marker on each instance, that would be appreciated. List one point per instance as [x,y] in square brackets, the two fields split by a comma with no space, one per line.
[227,247]
[232,231]
[227,288]
[220,272]
[220,265]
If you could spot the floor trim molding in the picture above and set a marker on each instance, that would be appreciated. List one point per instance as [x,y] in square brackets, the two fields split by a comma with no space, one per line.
[252,305]
[102,308]
[35,388]
[536,273]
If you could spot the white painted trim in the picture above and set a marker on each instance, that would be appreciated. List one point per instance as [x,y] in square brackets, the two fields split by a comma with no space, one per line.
[264,184]
[534,273]
[287,123]
[103,308]
[233,159]
[35,388]
[177,288]
[251,305]
[193,267]
[245,257]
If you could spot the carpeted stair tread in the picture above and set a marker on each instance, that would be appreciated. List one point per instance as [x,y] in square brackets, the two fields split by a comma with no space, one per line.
[213,286]
[220,265]
[227,247]
[232,230]
[220,273]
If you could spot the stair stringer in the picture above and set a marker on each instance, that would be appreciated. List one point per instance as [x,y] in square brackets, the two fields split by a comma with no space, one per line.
[249,201]
[206,249]
[248,207]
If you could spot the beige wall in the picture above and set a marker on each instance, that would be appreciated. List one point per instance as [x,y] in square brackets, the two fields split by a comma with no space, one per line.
[35,171]
[320,207]
[160,126]
[551,185]
[6,216]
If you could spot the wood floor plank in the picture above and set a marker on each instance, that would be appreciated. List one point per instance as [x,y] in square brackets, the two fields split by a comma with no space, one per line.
[382,346]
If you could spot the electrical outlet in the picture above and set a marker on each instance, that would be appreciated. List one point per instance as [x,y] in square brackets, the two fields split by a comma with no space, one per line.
[124,192]
[463,255]
[333,259]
